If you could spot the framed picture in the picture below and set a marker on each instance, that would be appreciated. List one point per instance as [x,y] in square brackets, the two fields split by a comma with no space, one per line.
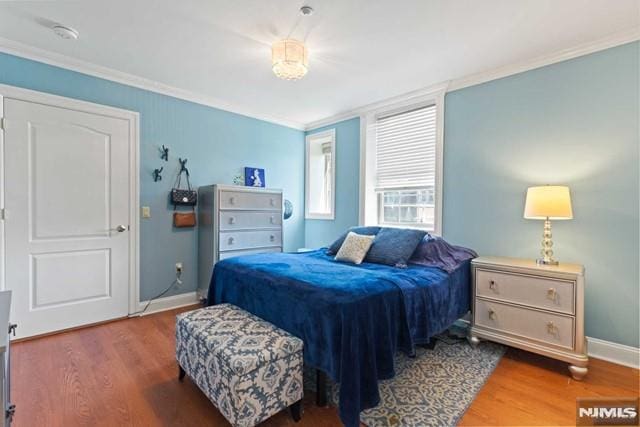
[253,177]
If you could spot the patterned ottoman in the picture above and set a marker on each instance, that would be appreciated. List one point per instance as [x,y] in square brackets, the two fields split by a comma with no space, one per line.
[246,366]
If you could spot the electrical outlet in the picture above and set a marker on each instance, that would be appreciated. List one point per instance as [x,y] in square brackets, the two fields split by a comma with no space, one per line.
[178,267]
[146,212]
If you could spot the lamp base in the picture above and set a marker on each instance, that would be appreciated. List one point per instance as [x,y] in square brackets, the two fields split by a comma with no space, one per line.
[541,261]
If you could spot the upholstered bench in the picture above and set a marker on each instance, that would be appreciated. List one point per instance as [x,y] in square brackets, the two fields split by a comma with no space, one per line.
[246,366]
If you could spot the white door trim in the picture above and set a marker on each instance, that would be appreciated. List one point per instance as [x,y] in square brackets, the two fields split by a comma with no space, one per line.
[133,118]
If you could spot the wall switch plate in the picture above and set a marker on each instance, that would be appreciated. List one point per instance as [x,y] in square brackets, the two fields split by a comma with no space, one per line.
[146,212]
[178,267]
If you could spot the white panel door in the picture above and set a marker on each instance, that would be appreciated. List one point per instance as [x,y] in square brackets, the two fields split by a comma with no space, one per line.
[66,215]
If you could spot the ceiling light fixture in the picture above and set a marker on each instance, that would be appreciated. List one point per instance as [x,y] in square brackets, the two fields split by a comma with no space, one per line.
[290,59]
[66,33]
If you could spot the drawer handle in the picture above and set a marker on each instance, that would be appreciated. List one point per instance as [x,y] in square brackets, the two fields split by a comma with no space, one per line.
[272,237]
[272,201]
[272,220]
[231,239]
[232,200]
[493,285]
[551,328]
[552,294]
[232,220]
[492,314]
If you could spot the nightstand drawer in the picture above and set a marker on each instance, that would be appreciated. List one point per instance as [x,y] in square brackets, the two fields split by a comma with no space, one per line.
[535,325]
[535,291]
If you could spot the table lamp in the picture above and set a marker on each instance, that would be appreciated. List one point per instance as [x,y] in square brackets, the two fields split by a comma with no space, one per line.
[548,202]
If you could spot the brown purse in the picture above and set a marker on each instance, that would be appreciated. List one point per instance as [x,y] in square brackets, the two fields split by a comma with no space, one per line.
[184,219]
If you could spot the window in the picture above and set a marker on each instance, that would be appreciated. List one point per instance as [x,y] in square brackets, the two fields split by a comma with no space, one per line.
[320,175]
[402,162]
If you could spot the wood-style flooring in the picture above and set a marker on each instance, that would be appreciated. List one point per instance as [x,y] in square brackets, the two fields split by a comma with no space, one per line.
[124,373]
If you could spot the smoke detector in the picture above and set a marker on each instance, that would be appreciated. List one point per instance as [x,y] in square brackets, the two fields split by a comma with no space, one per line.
[66,33]
[306,10]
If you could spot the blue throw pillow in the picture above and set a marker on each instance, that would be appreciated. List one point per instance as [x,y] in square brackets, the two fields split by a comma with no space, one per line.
[394,246]
[366,231]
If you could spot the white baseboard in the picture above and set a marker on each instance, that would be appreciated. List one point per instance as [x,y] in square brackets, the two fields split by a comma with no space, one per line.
[613,352]
[168,303]
[600,349]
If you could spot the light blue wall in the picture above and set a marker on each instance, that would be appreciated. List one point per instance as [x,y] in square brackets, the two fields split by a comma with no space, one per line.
[217,143]
[573,123]
[319,232]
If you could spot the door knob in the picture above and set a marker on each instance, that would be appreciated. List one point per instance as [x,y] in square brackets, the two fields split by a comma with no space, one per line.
[120,228]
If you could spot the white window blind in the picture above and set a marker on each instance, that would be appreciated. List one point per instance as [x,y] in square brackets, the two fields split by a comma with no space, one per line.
[406,149]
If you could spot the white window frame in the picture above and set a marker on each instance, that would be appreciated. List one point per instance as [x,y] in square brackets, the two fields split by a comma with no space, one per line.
[328,136]
[369,201]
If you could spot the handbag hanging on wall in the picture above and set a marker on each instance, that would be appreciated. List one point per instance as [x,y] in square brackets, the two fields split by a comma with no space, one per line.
[184,197]
[184,219]
[181,196]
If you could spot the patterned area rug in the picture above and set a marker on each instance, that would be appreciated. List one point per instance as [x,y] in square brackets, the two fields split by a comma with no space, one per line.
[433,389]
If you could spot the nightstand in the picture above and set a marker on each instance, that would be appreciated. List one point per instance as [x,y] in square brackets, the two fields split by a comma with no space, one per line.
[537,308]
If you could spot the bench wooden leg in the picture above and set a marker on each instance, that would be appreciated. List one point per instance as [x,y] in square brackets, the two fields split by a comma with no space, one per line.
[321,388]
[296,411]
[181,373]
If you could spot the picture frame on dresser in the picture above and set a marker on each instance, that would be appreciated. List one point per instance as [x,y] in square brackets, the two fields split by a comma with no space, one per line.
[236,220]
[538,308]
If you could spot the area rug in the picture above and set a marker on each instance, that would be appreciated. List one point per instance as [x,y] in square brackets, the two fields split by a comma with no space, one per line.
[433,389]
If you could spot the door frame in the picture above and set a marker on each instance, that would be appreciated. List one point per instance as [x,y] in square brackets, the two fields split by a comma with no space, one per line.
[133,118]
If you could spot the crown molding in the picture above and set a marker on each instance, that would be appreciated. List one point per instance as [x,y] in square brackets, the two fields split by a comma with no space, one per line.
[608,42]
[357,112]
[58,60]
[84,67]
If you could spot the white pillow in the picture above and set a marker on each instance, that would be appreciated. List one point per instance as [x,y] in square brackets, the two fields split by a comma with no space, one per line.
[354,248]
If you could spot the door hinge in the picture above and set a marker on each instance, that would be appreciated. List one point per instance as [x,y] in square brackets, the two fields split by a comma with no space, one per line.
[2,123]
[2,214]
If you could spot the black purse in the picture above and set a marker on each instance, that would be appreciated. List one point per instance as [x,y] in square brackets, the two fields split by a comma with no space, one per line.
[183,197]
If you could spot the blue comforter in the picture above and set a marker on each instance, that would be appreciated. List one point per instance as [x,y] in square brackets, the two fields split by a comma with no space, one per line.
[351,318]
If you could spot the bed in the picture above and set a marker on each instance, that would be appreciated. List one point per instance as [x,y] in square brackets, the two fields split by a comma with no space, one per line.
[352,318]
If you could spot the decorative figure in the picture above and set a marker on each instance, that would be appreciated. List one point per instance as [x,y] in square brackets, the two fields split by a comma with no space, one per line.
[288,209]
[156,174]
[254,177]
[164,155]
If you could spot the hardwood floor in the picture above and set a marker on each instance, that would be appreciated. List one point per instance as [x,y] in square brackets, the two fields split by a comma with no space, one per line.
[124,373]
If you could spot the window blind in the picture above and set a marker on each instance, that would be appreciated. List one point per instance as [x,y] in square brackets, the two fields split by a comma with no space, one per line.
[406,149]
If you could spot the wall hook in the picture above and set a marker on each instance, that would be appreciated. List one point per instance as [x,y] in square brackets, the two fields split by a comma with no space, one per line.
[156,174]
[183,167]
[164,155]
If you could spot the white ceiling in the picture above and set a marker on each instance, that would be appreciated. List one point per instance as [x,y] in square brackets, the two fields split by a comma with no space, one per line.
[361,51]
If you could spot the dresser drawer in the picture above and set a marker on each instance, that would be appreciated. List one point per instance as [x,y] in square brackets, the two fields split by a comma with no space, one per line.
[235,240]
[230,254]
[540,292]
[535,325]
[245,200]
[236,220]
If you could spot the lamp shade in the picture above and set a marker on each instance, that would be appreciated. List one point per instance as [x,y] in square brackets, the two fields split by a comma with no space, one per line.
[290,59]
[548,201]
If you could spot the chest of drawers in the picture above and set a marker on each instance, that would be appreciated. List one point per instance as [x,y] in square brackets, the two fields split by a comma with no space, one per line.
[233,221]
[536,308]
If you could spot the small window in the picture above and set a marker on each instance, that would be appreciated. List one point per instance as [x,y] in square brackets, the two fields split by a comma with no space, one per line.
[320,175]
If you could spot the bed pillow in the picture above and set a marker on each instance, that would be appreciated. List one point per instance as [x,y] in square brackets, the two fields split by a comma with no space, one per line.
[436,252]
[394,246]
[364,231]
[354,248]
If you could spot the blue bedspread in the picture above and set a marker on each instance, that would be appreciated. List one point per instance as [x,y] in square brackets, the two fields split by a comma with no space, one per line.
[351,318]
